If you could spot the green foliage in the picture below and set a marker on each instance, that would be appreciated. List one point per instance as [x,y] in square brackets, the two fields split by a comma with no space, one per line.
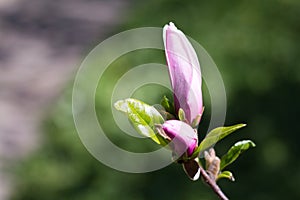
[181,115]
[143,117]
[235,151]
[168,105]
[216,135]
[196,121]
[227,175]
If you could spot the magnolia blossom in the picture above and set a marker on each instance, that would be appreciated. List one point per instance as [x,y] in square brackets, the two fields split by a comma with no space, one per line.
[184,71]
[184,137]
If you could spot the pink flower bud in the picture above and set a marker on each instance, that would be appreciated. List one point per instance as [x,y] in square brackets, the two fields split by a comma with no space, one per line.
[184,71]
[184,137]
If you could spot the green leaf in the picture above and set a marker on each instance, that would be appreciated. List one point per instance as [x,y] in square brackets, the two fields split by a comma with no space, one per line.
[196,121]
[235,151]
[181,115]
[168,105]
[226,174]
[143,117]
[216,135]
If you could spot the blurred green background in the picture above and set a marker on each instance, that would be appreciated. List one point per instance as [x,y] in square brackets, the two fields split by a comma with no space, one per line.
[255,45]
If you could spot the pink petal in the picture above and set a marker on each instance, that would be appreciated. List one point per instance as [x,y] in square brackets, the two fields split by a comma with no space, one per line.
[185,139]
[184,71]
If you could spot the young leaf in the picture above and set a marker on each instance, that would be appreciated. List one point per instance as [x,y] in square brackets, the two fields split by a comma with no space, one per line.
[226,174]
[235,151]
[181,115]
[168,105]
[143,117]
[216,135]
[196,121]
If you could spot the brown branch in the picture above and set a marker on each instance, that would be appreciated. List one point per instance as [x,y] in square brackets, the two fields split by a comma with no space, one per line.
[212,183]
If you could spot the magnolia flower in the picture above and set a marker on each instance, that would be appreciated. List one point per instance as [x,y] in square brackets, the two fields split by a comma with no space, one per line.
[184,71]
[184,140]
[184,137]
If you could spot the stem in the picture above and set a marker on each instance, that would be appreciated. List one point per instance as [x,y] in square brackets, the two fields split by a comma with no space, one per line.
[212,183]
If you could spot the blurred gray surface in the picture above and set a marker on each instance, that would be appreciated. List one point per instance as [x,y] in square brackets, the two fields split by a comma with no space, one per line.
[42,44]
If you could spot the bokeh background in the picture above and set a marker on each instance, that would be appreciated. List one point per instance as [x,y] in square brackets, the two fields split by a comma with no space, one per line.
[254,44]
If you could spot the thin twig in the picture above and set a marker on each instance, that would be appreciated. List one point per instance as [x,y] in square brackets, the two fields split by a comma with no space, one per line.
[212,183]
